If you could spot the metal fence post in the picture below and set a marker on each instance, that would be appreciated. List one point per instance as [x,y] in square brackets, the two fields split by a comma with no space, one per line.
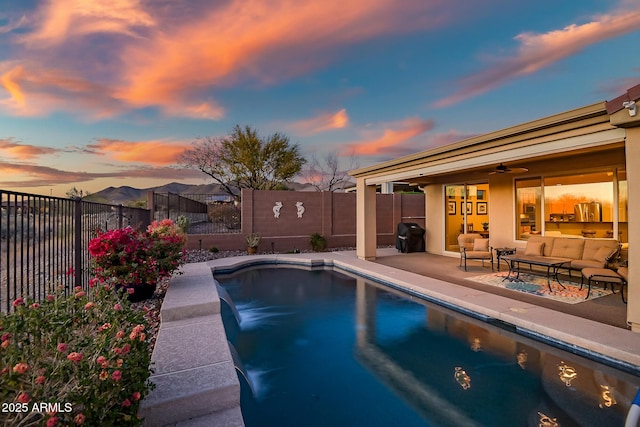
[120,214]
[77,234]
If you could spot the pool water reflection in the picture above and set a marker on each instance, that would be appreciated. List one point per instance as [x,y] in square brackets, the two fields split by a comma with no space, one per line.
[326,349]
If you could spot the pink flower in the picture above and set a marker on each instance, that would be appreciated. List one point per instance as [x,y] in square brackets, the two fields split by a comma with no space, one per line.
[34,305]
[116,375]
[104,375]
[5,336]
[104,327]
[126,348]
[125,403]
[23,398]
[117,307]
[20,368]
[41,379]
[5,343]
[102,361]
[18,301]
[53,421]
[62,347]
[136,396]
[88,305]
[120,334]
[79,294]
[51,298]
[74,357]
[79,419]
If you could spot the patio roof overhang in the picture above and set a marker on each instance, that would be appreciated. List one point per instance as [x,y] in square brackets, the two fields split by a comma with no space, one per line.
[583,130]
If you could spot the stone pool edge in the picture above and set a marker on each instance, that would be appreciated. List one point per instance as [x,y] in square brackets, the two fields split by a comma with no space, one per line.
[194,386]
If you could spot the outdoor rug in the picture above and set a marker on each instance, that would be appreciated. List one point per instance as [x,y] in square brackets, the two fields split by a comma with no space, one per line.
[537,285]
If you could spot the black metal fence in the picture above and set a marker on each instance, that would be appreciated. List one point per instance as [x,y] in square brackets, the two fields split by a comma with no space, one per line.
[207,213]
[44,241]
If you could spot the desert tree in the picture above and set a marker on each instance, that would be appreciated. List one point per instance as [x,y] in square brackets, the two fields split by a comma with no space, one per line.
[243,159]
[77,193]
[325,174]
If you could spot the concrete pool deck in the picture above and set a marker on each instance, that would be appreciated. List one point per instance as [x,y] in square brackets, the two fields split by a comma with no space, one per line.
[195,378]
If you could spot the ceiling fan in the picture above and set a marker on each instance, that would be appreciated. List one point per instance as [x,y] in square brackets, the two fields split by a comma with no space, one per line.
[505,169]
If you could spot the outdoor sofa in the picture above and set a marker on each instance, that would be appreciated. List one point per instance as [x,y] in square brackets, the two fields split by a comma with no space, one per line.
[580,253]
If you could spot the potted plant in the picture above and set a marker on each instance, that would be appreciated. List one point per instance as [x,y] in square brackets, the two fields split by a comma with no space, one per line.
[136,260]
[253,240]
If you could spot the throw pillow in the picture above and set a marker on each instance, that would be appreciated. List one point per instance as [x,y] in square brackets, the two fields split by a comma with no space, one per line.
[481,245]
[534,248]
[604,254]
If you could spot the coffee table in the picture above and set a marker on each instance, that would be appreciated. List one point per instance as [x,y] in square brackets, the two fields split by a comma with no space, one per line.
[552,264]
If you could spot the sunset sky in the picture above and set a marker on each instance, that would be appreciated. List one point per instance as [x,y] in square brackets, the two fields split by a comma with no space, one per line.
[98,93]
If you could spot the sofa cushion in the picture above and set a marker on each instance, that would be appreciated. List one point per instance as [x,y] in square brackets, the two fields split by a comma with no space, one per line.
[548,243]
[481,245]
[534,248]
[567,248]
[579,264]
[604,253]
[592,246]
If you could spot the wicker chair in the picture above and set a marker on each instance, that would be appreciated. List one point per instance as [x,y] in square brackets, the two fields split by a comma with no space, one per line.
[473,246]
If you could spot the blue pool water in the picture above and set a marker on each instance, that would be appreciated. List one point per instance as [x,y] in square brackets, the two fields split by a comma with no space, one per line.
[326,349]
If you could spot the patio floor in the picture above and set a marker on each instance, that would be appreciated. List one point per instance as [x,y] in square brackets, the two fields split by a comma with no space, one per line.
[609,309]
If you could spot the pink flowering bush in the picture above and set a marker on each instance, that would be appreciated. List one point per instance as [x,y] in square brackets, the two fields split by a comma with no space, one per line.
[133,259]
[76,360]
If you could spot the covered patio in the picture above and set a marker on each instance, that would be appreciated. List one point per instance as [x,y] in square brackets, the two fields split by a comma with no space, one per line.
[609,309]
[523,181]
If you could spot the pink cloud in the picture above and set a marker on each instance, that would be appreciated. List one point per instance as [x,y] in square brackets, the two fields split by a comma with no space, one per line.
[150,152]
[323,122]
[36,91]
[59,20]
[44,176]
[14,149]
[394,139]
[538,51]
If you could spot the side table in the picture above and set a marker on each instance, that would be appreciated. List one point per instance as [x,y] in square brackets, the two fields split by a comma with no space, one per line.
[500,252]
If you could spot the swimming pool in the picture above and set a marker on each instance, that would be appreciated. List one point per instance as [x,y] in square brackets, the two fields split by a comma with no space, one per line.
[324,348]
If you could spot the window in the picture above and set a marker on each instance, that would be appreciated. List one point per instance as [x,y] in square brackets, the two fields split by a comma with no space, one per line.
[528,208]
[581,205]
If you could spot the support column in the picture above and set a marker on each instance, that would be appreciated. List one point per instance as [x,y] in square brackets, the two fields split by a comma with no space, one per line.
[365,220]
[632,148]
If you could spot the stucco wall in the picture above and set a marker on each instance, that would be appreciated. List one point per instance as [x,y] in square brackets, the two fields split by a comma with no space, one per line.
[333,215]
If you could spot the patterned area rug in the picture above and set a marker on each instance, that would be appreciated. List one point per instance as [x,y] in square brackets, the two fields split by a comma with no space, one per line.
[537,285]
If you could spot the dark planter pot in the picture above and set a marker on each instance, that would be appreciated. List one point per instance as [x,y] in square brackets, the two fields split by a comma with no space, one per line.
[141,292]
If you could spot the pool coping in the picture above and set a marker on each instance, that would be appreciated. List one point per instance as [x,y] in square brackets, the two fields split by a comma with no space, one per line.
[192,301]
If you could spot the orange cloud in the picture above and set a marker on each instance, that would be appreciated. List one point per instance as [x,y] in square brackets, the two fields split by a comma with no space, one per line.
[322,123]
[25,152]
[173,58]
[36,91]
[153,152]
[43,176]
[267,41]
[60,19]
[392,140]
[538,51]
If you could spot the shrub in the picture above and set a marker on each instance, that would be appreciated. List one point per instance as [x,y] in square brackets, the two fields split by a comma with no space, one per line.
[183,222]
[213,249]
[74,360]
[318,243]
[127,257]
